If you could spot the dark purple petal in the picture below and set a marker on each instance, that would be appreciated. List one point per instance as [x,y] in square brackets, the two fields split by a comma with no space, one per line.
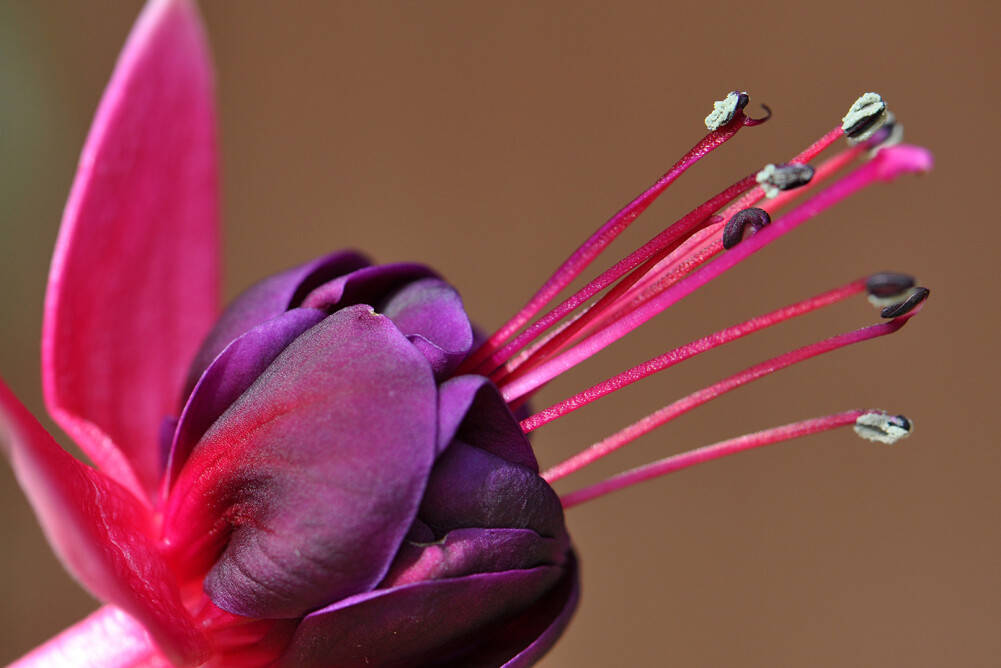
[312,478]
[268,299]
[230,374]
[532,633]
[414,624]
[471,409]
[470,551]
[430,313]
[471,488]
[370,285]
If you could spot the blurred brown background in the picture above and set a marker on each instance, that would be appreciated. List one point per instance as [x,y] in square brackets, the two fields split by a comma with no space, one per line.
[486,139]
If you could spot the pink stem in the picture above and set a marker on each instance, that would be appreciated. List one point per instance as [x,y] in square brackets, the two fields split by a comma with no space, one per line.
[688,351]
[597,242]
[685,404]
[108,638]
[886,165]
[708,453]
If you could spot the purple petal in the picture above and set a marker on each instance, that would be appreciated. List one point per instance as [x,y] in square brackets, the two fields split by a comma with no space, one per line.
[471,488]
[311,479]
[471,409]
[230,374]
[430,313]
[370,285]
[470,551]
[133,285]
[415,624]
[522,641]
[268,299]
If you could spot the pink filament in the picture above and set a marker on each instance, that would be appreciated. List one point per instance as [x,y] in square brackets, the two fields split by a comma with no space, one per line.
[708,453]
[664,240]
[685,404]
[688,351]
[614,304]
[597,242]
[886,165]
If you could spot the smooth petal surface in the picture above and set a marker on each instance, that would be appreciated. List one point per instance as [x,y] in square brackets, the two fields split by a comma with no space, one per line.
[99,530]
[472,488]
[415,624]
[471,409]
[108,638]
[469,551]
[430,313]
[134,278]
[370,285]
[314,475]
[268,299]
[230,374]
[522,641]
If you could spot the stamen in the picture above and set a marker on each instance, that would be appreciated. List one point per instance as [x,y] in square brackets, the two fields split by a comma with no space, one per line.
[882,427]
[886,165]
[685,404]
[737,227]
[581,258]
[697,347]
[917,296]
[776,178]
[657,247]
[866,115]
[708,453]
[725,109]
[888,288]
[656,275]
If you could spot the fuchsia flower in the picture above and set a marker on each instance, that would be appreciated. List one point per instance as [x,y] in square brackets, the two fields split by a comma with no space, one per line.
[332,474]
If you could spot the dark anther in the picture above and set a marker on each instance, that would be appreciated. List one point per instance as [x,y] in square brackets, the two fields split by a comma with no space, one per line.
[787,177]
[736,230]
[864,116]
[887,284]
[742,99]
[906,306]
[900,421]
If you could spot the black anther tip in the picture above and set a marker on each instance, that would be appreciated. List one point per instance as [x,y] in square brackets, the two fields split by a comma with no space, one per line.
[888,284]
[906,306]
[735,228]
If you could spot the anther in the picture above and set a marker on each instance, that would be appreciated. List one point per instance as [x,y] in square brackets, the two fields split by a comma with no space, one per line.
[883,427]
[888,288]
[867,115]
[736,229]
[890,134]
[917,296]
[724,110]
[775,178]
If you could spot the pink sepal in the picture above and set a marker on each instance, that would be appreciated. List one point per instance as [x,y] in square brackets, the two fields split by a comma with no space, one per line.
[108,638]
[134,278]
[100,532]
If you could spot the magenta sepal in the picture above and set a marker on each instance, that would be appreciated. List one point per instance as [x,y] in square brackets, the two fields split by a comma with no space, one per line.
[100,532]
[133,285]
[108,638]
